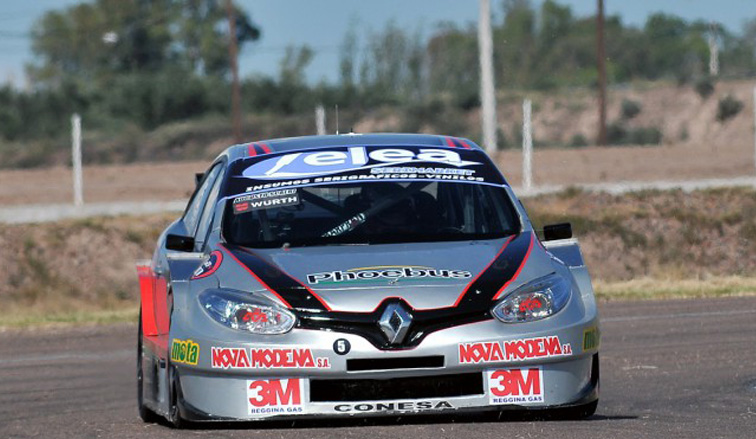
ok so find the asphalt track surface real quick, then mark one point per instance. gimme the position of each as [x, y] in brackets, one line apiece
[671, 369]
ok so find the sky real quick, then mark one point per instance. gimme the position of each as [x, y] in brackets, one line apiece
[322, 24]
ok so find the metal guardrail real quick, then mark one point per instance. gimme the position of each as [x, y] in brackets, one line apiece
[39, 213]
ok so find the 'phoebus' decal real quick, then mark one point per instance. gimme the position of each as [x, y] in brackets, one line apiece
[386, 273]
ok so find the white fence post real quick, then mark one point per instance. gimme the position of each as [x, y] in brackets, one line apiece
[487, 88]
[76, 159]
[320, 120]
[527, 147]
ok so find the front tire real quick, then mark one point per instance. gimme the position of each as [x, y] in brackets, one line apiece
[174, 412]
[145, 413]
[581, 412]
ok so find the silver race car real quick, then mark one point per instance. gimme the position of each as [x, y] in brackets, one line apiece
[362, 275]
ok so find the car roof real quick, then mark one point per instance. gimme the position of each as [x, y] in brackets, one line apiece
[320, 142]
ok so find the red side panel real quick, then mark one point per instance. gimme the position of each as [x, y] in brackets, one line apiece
[161, 306]
[147, 291]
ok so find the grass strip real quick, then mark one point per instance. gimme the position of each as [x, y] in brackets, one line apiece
[636, 289]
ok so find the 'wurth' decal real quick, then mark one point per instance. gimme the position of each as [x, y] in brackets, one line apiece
[266, 200]
[285, 358]
[514, 350]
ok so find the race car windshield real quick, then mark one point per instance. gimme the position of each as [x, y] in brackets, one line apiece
[370, 213]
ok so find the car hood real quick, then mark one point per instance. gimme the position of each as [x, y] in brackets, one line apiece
[358, 278]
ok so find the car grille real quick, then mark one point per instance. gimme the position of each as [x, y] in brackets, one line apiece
[437, 386]
[363, 364]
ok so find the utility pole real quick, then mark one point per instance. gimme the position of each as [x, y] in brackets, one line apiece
[233, 52]
[487, 88]
[320, 120]
[713, 50]
[527, 146]
[601, 59]
[76, 159]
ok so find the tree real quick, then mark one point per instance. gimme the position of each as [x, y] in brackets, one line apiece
[101, 40]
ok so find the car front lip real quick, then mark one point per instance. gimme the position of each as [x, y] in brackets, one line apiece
[213, 392]
[226, 401]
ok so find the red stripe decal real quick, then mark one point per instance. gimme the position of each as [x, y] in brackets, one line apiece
[519, 269]
[450, 142]
[265, 148]
[251, 151]
[255, 276]
[503, 247]
[464, 143]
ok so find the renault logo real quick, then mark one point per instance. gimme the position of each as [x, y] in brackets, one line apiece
[395, 322]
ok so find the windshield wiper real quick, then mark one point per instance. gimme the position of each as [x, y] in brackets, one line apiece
[360, 218]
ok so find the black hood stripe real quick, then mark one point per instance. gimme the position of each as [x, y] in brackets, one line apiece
[292, 293]
[500, 272]
[519, 269]
[473, 305]
[487, 286]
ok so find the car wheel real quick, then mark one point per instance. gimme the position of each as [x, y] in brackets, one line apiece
[174, 413]
[145, 413]
[582, 411]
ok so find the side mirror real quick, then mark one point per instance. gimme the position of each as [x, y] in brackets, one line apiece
[198, 178]
[179, 243]
[553, 232]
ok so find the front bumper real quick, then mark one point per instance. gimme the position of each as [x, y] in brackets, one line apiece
[207, 398]
[462, 369]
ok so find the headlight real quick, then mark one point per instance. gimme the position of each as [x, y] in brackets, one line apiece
[246, 312]
[534, 301]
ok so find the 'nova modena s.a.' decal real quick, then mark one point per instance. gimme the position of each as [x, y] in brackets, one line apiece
[304, 164]
[391, 273]
[268, 397]
[209, 266]
[515, 386]
[393, 406]
[185, 351]
[284, 358]
[513, 350]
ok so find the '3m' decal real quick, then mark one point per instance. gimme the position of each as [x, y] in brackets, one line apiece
[515, 386]
[268, 397]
